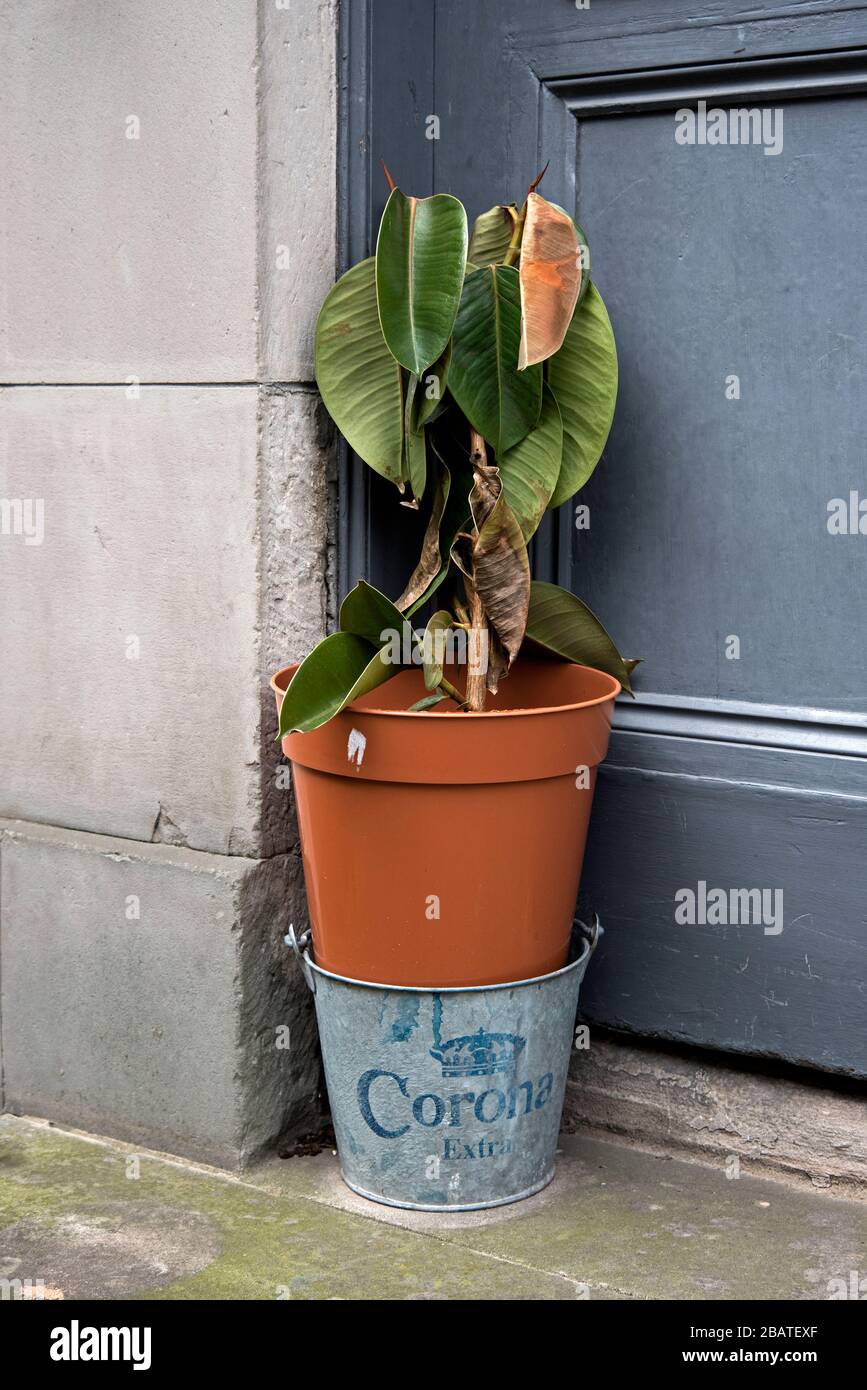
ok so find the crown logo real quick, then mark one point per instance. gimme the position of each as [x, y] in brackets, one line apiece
[478, 1054]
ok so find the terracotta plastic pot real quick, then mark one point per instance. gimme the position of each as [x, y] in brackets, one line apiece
[443, 848]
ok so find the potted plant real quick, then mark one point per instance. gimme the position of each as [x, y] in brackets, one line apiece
[443, 815]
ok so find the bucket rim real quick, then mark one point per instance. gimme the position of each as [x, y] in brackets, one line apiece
[449, 1207]
[587, 946]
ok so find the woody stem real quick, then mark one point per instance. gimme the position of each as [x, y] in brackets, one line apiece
[477, 688]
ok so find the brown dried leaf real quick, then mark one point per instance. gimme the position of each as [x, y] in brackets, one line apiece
[501, 575]
[495, 562]
[487, 487]
[550, 273]
[498, 662]
[430, 559]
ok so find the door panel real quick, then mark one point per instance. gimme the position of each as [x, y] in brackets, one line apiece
[737, 288]
[708, 514]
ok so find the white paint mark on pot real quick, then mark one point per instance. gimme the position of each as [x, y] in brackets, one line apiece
[355, 747]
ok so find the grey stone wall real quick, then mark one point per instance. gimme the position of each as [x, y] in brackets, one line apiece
[167, 480]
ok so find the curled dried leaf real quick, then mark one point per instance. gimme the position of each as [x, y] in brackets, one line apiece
[494, 560]
[501, 575]
[430, 560]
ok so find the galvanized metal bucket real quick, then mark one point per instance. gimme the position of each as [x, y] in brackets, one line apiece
[450, 1098]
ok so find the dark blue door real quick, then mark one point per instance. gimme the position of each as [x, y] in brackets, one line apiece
[717, 162]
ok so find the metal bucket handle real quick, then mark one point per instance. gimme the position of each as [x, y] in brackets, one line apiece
[300, 944]
[590, 934]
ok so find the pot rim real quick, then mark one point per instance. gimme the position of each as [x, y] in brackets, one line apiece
[473, 714]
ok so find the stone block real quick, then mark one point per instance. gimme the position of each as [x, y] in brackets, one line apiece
[130, 191]
[147, 993]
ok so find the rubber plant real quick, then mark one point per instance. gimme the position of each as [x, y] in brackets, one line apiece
[478, 373]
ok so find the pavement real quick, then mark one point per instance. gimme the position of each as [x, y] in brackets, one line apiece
[88, 1218]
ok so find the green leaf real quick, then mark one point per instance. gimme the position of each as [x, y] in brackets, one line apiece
[583, 377]
[358, 379]
[584, 246]
[414, 443]
[562, 624]
[367, 613]
[420, 258]
[502, 403]
[416, 463]
[430, 394]
[529, 471]
[427, 703]
[492, 235]
[338, 671]
[347, 664]
[434, 647]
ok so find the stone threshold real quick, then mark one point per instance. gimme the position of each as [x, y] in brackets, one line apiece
[779, 1120]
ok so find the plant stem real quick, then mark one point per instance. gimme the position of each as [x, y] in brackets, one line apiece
[445, 686]
[448, 689]
[477, 688]
[514, 250]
